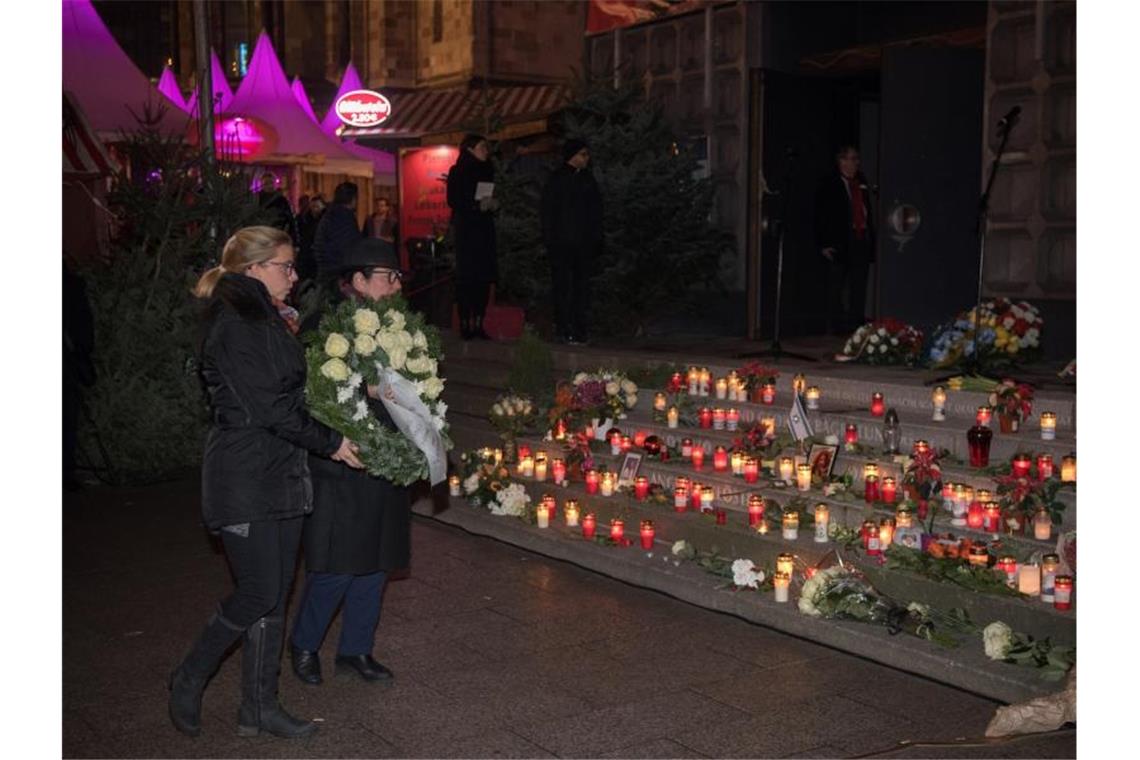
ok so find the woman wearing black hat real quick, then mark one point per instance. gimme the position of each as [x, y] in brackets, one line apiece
[472, 219]
[360, 528]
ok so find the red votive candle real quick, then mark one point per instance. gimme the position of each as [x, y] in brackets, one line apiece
[1063, 592]
[1045, 466]
[851, 434]
[889, 490]
[975, 515]
[686, 447]
[592, 481]
[698, 456]
[991, 518]
[871, 489]
[617, 529]
[751, 470]
[589, 525]
[720, 459]
[984, 415]
[695, 497]
[641, 488]
[755, 509]
[878, 406]
[647, 534]
[1020, 465]
[705, 416]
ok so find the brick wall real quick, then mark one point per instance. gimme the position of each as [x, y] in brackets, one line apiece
[532, 41]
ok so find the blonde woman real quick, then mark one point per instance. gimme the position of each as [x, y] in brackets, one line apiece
[255, 476]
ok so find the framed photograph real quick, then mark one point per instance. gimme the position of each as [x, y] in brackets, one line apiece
[629, 467]
[821, 457]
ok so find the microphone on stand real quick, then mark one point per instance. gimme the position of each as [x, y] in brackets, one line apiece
[1010, 118]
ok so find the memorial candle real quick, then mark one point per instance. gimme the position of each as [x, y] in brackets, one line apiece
[592, 481]
[948, 495]
[803, 477]
[453, 485]
[871, 489]
[615, 444]
[570, 510]
[1029, 580]
[822, 520]
[672, 418]
[647, 534]
[888, 490]
[979, 555]
[851, 434]
[686, 447]
[751, 470]
[938, 398]
[799, 383]
[736, 462]
[755, 509]
[722, 388]
[680, 499]
[706, 381]
[984, 415]
[1048, 426]
[660, 402]
[780, 584]
[540, 467]
[607, 484]
[904, 517]
[589, 525]
[870, 470]
[718, 418]
[991, 518]
[886, 532]
[696, 496]
[720, 459]
[871, 541]
[960, 507]
[677, 382]
[787, 469]
[732, 420]
[878, 406]
[626, 444]
[733, 386]
[639, 438]
[1008, 566]
[1063, 592]
[526, 466]
[1069, 469]
[694, 379]
[1050, 564]
[1020, 465]
[698, 457]
[682, 482]
[976, 515]
[705, 418]
[558, 470]
[617, 529]
[542, 515]
[785, 563]
[1044, 466]
[768, 393]
[641, 488]
[707, 495]
[790, 526]
[812, 396]
[1042, 526]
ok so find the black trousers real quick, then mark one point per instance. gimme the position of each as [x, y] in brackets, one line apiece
[847, 281]
[571, 290]
[471, 296]
[263, 565]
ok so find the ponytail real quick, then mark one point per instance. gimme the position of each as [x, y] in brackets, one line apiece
[208, 281]
[247, 246]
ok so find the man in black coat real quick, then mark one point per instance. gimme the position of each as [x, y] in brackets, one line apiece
[845, 236]
[360, 528]
[336, 231]
[572, 232]
[473, 222]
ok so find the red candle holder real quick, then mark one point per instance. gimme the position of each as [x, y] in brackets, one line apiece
[878, 405]
[721, 516]
[871, 541]
[641, 488]
[751, 470]
[680, 499]
[871, 489]
[991, 518]
[975, 515]
[558, 469]
[617, 529]
[768, 393]
[639, 438]
[720, 459]
[1020, 465]
[676, 383]
[592, 481]
[719, 416]
[851, 434]
[647, 534]
[682, 482]
[984, 416]
[698, 457]
[732, 419]
[1045, 466]
[705, 416]
[686, 447]
[523, 451]
[695, 497]
[889, 491]
[755, 510]
[589, 525]
[1063, 592]
[978, 439]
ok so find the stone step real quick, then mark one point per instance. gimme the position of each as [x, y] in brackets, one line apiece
[965, 667]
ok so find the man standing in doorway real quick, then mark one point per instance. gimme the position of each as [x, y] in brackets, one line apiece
[845, 235]
[572, 232]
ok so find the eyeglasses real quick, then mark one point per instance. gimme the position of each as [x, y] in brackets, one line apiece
[393, 274]
[287, 267]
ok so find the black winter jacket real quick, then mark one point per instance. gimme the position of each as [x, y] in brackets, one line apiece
[255, 466]
[572, 213]
[475, 255]
[833, 225]
[336, 231]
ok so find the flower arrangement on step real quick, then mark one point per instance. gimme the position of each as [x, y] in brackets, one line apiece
[756, 440]
[759, 381]
[841, 592]
[922, 480]
[392, 347]
[1021, 498]
[1008, 332]
[1013, 402]
[743, 574]
[884, 341]
[1004, 644]
[489, 485]
[511, 415]
[605, 394]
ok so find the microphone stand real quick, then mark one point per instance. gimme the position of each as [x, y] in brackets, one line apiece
[776, 350]
[973, 365]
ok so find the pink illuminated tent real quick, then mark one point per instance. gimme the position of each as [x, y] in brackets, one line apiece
[298, 88]
[218, 83]
[109, 88]
[383, 163]
[348, 82]
[168, 86]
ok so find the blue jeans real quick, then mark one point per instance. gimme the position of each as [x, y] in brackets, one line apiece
[323, 594]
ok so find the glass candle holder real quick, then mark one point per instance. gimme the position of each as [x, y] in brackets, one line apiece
[984, 416]
[705, 418]
[660, 402]
[787, 469]
[570, 512]
[698, 458]
[871, 489]
[617, 529]
[781, 584]
[878, 405]
[1020, 465]
[938, 399]
[1042, 526]
[722, 388]
[641, 488]
[686, 447]
[1008, 565]
[719, 416]
[991, 517]
[812, 396]
[607, 484]
[886, 532]
[1048, 426]
[672, 418]
[785, 563]
[904, 517]
[647, 534]
[558, 470]
[680, 499]
[799, 383]
[822, 520]
[1029, 580]
[768, 393]
[851, 434]
[790, 526]
[1063, 592]
[1044, 466]
[707, 496]
[978, 438]
[755, 509]
[803, 477]
[540, 466]
[732, 420]
[751, 469]
[871, 542]
[979, 555]
[736, 462]
[593, 480]
[888, 489]
[589, 525]
[453, 486]
[720, 459]
[1050, 566]
[1069, 469]
[542, 515]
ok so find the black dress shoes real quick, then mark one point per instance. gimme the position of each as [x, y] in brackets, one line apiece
[366, 667]
[306, 665]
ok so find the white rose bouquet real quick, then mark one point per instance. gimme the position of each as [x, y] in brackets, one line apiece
[356, 343]
[512, 414]
[887, 341]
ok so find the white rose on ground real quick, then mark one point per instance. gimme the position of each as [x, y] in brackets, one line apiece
[680, 547]
[336, 346]
[831, 440]
[395, 319]
[365, 344]
[433, 386]
[998, 638]
[612, 388]
[744, 573]
[397, 357]
[471, 485]
[419, 339]
[511, 501]
[335, 370]
[366, 321]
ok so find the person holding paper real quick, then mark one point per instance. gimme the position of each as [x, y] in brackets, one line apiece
[360, 528]
[470, 194]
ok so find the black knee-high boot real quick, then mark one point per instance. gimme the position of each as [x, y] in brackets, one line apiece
[260, 667]
[189, 679]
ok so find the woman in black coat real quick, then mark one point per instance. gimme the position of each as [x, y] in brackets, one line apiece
[255, 475]
[473, 223]
[360, 527]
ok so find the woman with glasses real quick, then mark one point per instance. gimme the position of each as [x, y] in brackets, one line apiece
[360, 528]
[255, 475]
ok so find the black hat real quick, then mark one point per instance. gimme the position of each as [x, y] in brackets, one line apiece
[571, 147]
[370, 252]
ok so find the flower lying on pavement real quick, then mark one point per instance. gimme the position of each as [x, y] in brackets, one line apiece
[998, 638]
[746, 574]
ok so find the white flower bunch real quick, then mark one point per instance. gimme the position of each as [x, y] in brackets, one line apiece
[681, 548]
[471, 485]
[745, 574]
[512, 406]
[998, 638]
[815, 586]
[511, 501]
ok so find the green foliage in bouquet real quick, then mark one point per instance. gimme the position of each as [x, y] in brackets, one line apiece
[173, 213]
[532, 370]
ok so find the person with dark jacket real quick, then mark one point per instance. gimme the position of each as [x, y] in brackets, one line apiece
[255, 476]
[572, 232]
[472, 219]
[307, 222]
[360, 528]
[845, 236]
[336, 231]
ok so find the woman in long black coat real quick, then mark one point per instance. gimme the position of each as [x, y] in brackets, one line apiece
[473, 224]
[360, 528]
[255, 475]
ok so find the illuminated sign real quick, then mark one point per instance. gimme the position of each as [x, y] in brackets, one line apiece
[363, 108]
